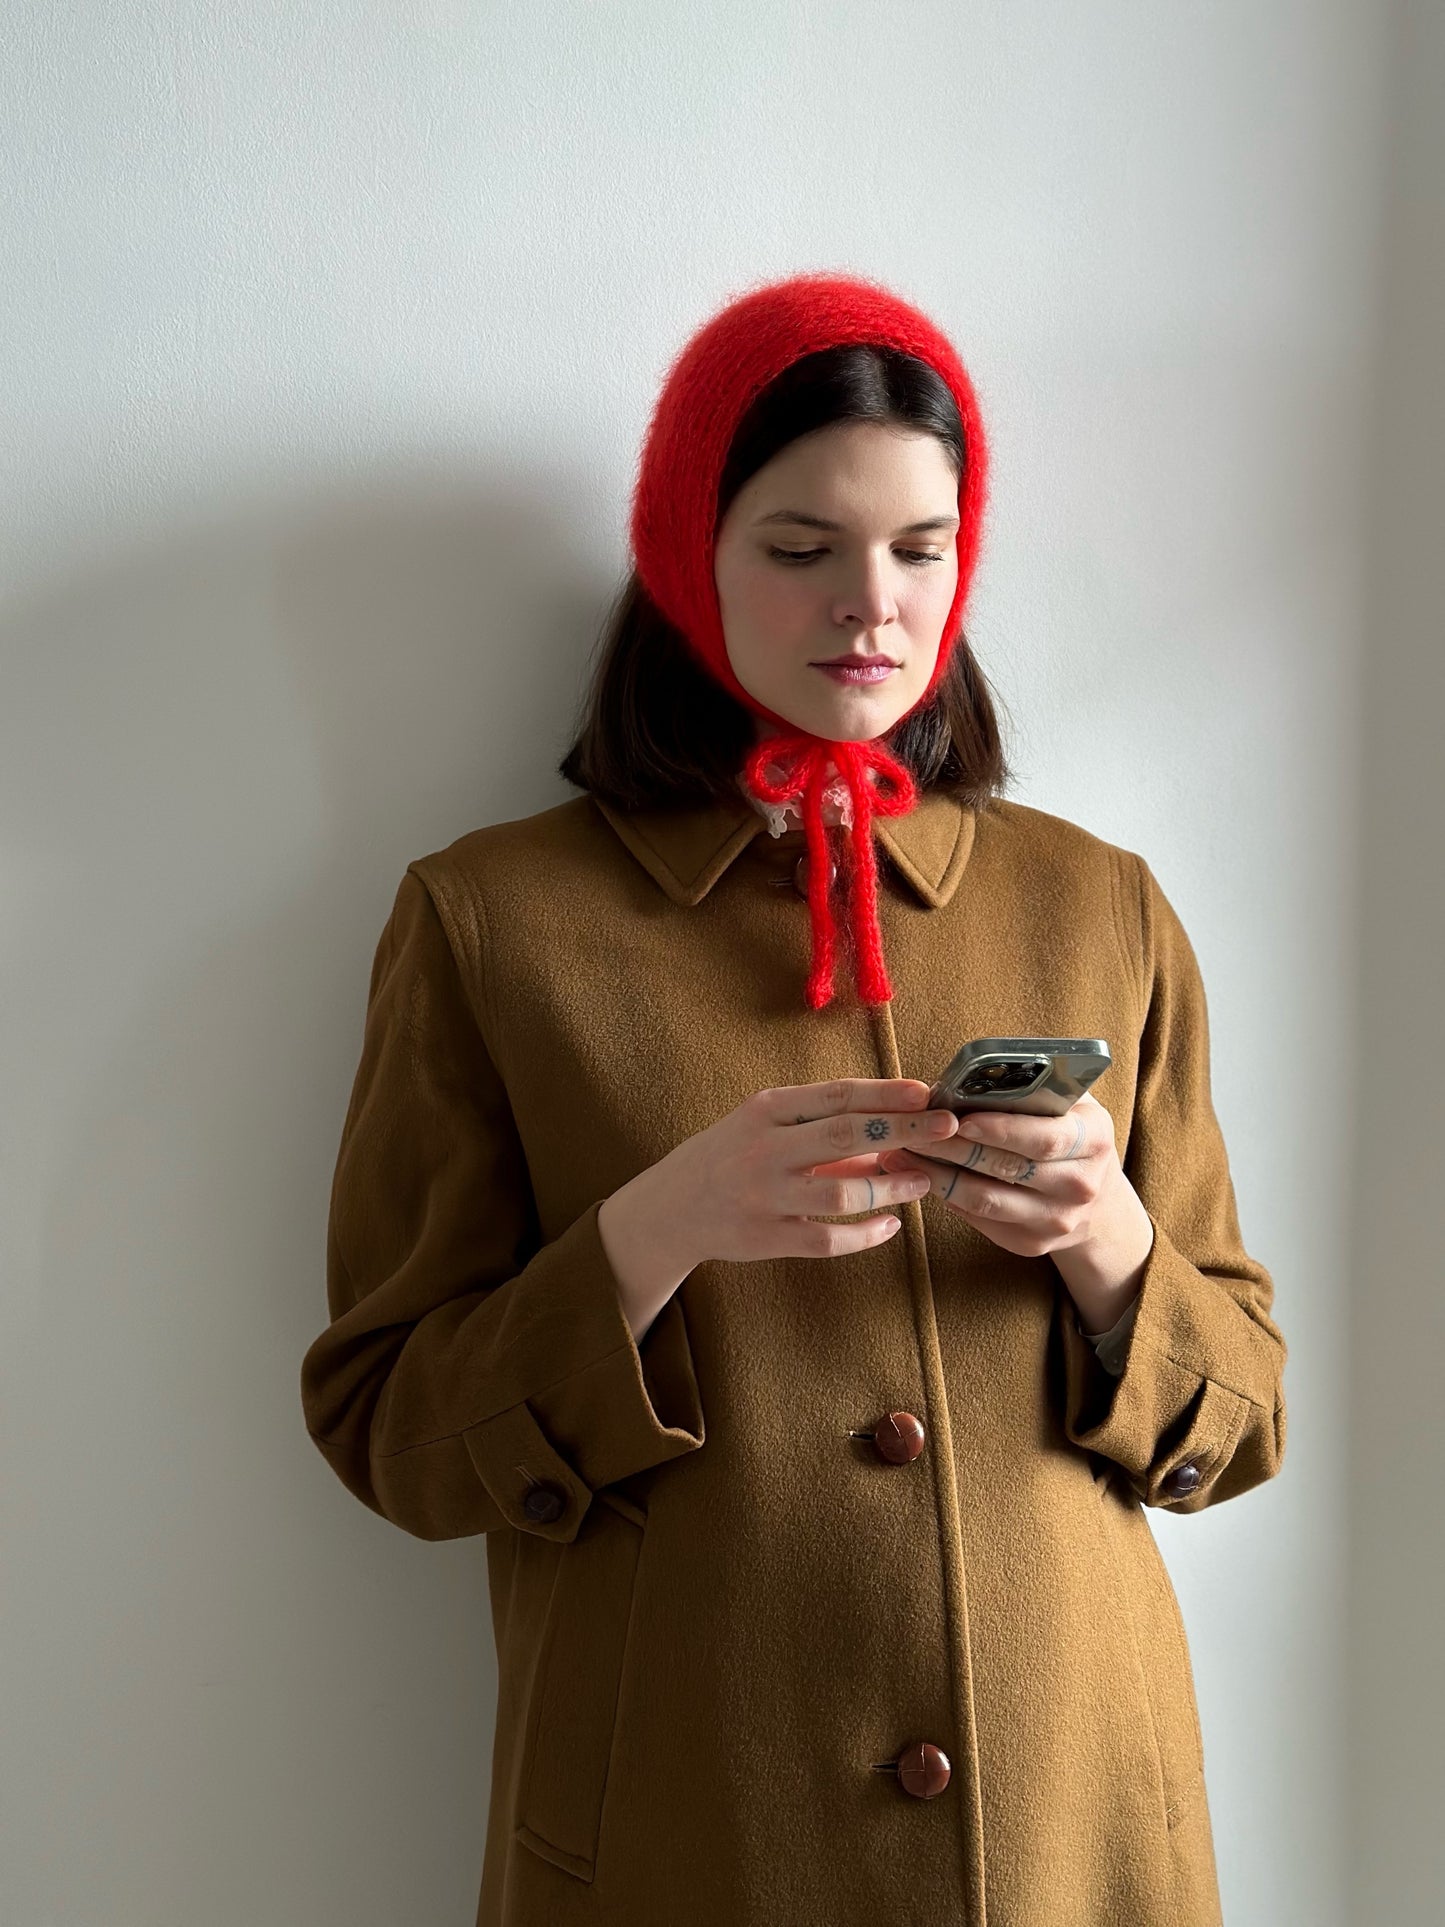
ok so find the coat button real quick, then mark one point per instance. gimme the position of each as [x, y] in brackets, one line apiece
[923, 1770]
[1182, 1479]
[544, 1503]
[800, 875]
[899, 1438]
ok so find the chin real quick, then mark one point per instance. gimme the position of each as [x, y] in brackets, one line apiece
[857, 721]
[852, 716]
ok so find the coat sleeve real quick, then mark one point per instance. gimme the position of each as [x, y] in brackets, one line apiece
[468, 1364]
[1191, 1404]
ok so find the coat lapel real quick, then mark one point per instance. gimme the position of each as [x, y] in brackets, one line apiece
[686, 851]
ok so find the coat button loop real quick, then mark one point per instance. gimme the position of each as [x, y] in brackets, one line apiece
[544, 1503]
[923, 1770]
[898, 1437]
[1182, 1479]
[800, 875]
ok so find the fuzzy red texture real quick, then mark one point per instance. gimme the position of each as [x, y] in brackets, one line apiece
[704, 395]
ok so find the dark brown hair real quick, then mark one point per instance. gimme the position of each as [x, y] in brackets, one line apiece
[656, 731]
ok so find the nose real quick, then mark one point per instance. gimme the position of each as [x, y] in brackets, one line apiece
[867, 597]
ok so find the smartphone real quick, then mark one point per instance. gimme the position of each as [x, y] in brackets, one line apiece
[1044, 1076]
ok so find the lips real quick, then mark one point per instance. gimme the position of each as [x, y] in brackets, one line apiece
[857, 671]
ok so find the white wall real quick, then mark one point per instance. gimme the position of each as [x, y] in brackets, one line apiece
[331, 330]
[1395, 1735]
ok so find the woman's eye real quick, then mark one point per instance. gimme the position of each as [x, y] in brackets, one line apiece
[913, 556]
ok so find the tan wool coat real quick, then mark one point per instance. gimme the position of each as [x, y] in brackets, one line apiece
[722, 1614]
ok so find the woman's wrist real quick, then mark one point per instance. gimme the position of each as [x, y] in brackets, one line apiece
[647, 1264]
[1103, 1272]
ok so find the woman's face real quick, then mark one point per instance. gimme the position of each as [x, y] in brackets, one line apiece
[841, 545]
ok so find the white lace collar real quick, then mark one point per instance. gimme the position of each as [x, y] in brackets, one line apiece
[781, 817]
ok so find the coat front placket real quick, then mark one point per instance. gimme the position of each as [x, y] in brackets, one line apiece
[964, 1753]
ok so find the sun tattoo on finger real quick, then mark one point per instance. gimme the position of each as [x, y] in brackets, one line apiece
[876, 1127]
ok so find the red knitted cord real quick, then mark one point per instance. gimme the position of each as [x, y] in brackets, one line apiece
[803, 761]
[707, 390]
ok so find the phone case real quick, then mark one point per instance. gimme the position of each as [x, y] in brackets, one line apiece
[1042, 1076]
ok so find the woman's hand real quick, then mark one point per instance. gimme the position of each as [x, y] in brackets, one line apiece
[1050, 1186]
[757, 1183]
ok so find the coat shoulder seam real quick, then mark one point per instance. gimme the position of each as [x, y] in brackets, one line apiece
[486, 1019]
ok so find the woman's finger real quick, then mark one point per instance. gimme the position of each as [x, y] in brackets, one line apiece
[863, 1163]
[973, 1191]
[981, 1158]
[839, 1197]
[803, 1103]
[1083, 1129]
[825, 1238]
[849, 1133]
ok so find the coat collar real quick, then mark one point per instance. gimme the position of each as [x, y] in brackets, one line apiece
[686, 851]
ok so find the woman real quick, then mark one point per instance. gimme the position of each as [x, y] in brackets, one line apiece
[820, 1577]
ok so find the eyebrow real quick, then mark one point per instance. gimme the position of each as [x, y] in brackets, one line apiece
[817, 522]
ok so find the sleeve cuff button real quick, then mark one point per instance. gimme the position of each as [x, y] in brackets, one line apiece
[1182, 1479]
[544, 1503]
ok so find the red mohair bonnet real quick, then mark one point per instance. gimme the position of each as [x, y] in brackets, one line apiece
[705, 394]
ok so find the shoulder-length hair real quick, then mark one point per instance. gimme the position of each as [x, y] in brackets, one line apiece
[656, 731]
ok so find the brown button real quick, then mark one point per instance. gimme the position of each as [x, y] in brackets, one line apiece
[800, 875]
[1182, 1479]
[923, 1770]
[899, 1438]
[544, 1503]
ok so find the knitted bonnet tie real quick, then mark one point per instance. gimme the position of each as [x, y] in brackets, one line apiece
[705, 394]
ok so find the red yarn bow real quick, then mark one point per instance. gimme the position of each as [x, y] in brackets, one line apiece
[803, 760]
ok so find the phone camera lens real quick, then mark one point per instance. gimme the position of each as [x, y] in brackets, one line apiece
[1001, 1079]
